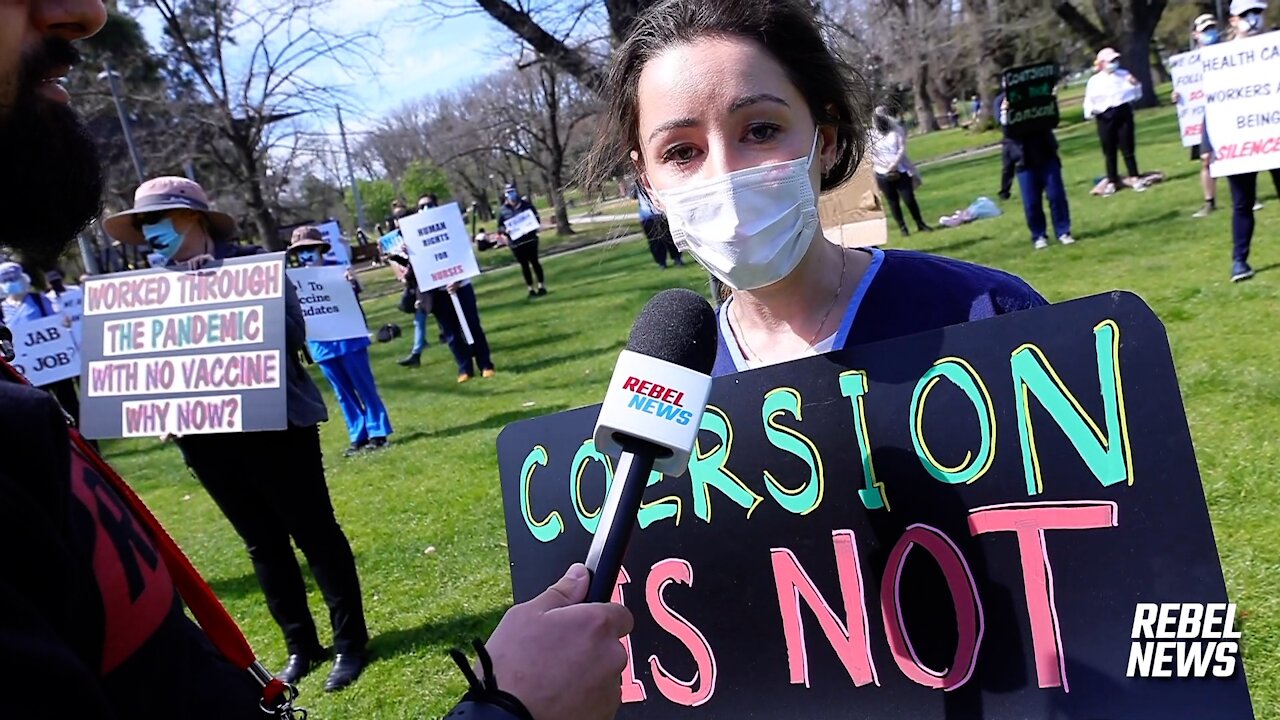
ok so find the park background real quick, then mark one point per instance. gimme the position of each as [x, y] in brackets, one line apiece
[425, 518]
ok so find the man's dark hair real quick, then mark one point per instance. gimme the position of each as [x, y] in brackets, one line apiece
[836, 94]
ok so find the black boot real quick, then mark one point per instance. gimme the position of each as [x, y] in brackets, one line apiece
[903, 229]
[300, 665]
[414, 360]
[346, 668]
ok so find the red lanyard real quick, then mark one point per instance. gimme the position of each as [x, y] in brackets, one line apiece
[214, 620]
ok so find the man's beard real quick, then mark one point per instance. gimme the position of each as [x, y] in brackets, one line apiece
[50, 179]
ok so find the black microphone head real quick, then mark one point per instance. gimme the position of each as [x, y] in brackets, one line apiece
[677, 326]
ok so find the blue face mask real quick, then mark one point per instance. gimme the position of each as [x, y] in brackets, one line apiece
[307, 257]
[1209, 37]
[512, 195]
[164, 239]
[1254, 20]
[13, 287]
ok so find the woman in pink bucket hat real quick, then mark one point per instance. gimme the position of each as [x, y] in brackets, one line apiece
[270, 485]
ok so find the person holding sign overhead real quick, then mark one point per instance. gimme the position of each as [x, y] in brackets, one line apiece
[518, 219]
[268, 507]
[345, 363]
[1109, 96]
[737, 157]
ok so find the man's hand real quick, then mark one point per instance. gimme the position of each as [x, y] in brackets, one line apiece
[561, 657]
[453, 287]
[197, 263]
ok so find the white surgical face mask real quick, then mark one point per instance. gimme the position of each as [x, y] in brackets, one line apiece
[749, 228]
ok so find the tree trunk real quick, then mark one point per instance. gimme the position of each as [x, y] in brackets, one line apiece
[924, 102]
[1157, 66]
[555, 189]
[1137, 58]
[256, 199]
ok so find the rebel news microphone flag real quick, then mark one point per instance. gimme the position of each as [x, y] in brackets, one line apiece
[650, 415]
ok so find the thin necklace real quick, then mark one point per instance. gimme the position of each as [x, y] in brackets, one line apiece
[844, 262]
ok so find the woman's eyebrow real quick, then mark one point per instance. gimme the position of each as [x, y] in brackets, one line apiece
[672, 125]
[749, 100]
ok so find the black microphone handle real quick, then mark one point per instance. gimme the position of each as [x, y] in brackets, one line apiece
[617, 519]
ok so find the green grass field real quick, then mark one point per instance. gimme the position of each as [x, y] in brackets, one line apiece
[425, 517]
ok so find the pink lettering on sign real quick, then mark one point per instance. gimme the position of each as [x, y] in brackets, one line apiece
[964, 595]
[851, 639]
[632, 689]
[1028, 521]
[698, 689]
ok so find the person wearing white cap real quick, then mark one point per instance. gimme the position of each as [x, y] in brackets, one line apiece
[270, 503]
[23, 304]
[1247, 20]
[1108, 97]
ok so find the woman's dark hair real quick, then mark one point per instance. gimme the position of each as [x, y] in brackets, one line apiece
[836, 94]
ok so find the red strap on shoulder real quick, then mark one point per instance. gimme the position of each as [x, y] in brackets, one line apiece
[209, 612]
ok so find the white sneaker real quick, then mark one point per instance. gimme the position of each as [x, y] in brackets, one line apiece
[1041, 243]
[1109, 191]
[1257, 206]
[1065, 239]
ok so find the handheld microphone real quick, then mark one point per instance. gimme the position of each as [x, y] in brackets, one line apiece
[651, 415]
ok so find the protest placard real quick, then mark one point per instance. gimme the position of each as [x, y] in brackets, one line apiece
[185, 352]
[1188, 83]
[328, 303]
[392, 243]
[439, 246]
[46, 350]
[71, 304]
[1242, 104]
[974, 522]
[1033, 104]
[338, 251]
[521, 225]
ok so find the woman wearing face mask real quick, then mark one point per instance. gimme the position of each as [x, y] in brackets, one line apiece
[1204, 32]
[23, 304]
[737, 160]
[1247, 20]
[270, 485]
[896, 176]
[1108, 97]
[345, 363]
[524, 247]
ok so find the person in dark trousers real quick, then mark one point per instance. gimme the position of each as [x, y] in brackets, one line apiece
[1035, 155]
[896, 176]
[1008, 156]
[1108, 97]
[467, 356]
[267, 504]
[1247, 20]
[71, 641]
[524, 247]
[657, 232]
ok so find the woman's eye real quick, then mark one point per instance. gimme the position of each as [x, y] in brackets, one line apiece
[679, 154]
[761, 133]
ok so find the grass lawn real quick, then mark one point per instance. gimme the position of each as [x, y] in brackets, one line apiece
[425, 517]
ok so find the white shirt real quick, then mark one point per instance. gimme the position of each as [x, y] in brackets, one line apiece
[1107, 90]
[885, 148]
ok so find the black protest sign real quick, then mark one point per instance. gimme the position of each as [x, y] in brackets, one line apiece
[185, 353]
[963, 523]
[1033, 104]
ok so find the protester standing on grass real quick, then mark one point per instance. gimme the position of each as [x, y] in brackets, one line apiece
[23, 304]
[896, 176]
[345, 363]
[1109, 96]
[524, 247]
[268, 504]
[421, 302]
[1008, 151]
[741, 104]
[1204, 32]
[1247, 20]
[657, 232]
[1039, 170]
